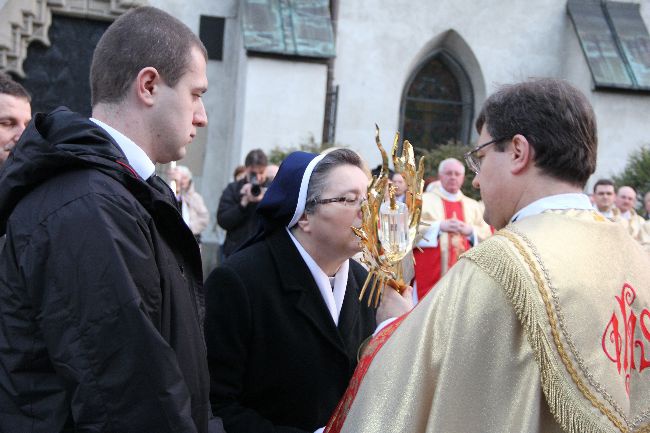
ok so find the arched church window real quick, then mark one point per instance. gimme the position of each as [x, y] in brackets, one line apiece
[437, 104]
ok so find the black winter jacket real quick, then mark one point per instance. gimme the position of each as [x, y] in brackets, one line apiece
[239, 222]
[100, 291]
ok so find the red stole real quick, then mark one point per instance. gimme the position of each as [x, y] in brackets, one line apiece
[428, 263]
[337, 419]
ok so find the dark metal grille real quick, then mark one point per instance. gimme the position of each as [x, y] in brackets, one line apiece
[59, 74]
[434, 107]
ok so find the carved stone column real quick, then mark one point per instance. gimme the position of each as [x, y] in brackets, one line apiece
[24, 21]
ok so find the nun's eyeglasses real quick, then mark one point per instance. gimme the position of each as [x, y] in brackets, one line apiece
[349, 201]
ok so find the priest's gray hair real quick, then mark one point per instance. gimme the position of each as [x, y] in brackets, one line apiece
[318, 180]
[444, 162]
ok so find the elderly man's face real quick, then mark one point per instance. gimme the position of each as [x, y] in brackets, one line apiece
[625, 199]
[452, 176]
[184, 181]
[604, 197]
[15, 114]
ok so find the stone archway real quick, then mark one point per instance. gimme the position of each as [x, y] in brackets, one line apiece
[454, 94]
[437, 102]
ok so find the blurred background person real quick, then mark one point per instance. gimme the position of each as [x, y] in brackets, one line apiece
[270, 172]
[625, 202]
[604, 197]
[236, 212]
[377, 170]
[15, 114]
[400, 187]
[195, 213]
[239, 173]
[646, 205]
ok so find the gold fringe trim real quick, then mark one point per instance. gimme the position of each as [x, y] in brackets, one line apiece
[572, 416]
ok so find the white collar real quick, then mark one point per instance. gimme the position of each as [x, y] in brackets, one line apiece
[555, 202]
[449, 196]
[137, 157]
[609, 213]
[333, 298]
[626, 215]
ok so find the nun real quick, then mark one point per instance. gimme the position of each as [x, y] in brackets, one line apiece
[284, 322]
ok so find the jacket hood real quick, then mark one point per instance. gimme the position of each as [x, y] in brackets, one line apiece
[53, 144]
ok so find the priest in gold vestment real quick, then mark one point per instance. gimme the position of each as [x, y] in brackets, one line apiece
[544, 327]
[633, 222]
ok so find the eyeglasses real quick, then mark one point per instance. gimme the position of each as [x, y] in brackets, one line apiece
[349, 201]
[473, 162]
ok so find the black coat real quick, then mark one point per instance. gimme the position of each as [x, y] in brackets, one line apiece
[239, 222]
[278, 363]
[100, 291]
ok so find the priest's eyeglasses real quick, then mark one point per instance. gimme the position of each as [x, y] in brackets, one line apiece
[348, 200]
[473, 161]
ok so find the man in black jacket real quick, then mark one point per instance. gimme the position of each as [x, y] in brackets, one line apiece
[100, 280]
[236, 212]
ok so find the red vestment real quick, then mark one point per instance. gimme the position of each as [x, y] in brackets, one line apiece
[428, 263]
[338, 417]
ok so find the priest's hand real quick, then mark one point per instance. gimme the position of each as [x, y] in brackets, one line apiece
[450, 226]
[456, 226]
[394, 304]
[465, 228]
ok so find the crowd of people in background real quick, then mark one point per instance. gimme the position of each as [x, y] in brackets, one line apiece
[192, 206]
[452, 221]
[619, 206]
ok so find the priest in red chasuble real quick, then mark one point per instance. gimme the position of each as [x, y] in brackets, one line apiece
[455, 225]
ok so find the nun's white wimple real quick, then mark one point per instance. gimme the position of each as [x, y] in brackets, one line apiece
[302, 195]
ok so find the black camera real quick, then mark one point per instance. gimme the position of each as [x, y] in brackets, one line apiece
[256, 188]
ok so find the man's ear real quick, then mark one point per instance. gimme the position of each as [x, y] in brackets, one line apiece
[146, 85]
[522, 154]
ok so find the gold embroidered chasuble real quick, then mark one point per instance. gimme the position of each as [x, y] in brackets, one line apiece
[545, 327]
[634, 225]
[645, 236]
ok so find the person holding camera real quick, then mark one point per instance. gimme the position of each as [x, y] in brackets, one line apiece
[236, 212]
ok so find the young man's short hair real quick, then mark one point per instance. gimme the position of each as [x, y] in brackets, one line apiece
[10, 87]
[256, 157]
[142, 37]
[604, 182]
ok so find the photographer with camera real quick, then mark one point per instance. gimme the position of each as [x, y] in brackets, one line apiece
[236, 212]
